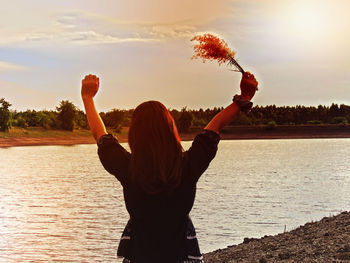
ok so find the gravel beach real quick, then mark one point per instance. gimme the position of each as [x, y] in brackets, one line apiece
[327, 240]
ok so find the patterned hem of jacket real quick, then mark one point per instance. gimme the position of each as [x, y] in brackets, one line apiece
[184, 261]
[193, 252]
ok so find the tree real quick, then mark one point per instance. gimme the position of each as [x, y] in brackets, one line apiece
[5, 115]
[114, 119]
[20, 122]
[184, 121]
[32, 117]
[67, 113]
[81, 120]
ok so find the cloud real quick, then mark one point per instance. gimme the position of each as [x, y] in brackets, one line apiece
[8, 66]
[82, 38]
[113, 22]
[172, 31]
[91, 37]
[101, 29]
[82, 28]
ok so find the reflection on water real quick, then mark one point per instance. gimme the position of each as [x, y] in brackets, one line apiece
[57, 204]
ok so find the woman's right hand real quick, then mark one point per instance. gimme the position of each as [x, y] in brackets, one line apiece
[249, 85]
[89, 87]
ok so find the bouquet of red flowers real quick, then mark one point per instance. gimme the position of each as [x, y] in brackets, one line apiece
[213, 48]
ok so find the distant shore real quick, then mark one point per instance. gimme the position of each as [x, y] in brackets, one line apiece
[39, 136]
[324, 241]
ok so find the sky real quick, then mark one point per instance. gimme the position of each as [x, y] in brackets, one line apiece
[141, 50]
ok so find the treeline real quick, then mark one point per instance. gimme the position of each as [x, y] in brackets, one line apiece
[296, 115]
[271, 116]
[68, 117]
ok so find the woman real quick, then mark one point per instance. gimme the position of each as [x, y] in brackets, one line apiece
[158, 177]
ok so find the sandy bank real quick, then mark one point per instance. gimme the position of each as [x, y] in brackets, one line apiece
[42, 137]
[324, 241]
[33, 141]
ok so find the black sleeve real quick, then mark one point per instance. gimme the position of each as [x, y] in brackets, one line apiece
[201, 153]
[114, 158]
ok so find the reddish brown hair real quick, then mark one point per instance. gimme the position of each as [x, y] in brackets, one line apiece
[156, 149]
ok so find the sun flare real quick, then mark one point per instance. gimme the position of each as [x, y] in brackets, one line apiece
[313, 20]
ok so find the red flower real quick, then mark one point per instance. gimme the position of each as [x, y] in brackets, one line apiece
[212, 48]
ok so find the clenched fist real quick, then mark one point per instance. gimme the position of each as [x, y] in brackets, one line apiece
[89, 87]
[249, 85]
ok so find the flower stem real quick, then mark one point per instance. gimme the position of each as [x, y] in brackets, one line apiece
[235, 63]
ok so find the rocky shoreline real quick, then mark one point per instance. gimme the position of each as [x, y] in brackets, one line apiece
[324, 241]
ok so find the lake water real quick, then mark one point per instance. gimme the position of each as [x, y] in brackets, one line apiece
[57, 204]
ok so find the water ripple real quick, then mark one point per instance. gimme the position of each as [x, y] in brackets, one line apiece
[57, 204]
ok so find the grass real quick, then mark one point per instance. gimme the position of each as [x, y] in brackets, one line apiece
[38, 132]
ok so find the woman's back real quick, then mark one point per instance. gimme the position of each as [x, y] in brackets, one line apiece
[159, 222]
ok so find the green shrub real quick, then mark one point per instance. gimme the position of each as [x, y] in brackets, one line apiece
[315, 122]
[271, 125]
[20, 122]
[340, 121]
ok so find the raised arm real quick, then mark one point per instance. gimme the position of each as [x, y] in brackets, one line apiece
[248, 88]
[89, 88]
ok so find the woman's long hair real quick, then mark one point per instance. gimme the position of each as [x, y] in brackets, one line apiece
[156, 150]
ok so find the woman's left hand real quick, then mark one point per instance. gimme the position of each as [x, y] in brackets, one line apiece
[249, 85]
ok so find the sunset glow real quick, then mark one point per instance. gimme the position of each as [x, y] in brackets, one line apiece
[314, 20]
[141, 50]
